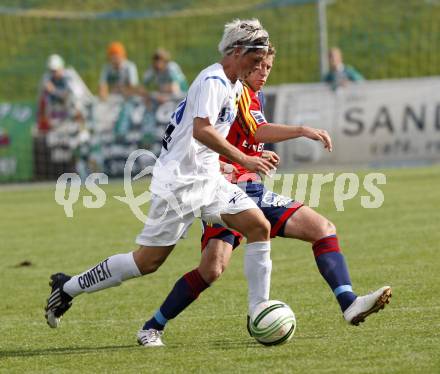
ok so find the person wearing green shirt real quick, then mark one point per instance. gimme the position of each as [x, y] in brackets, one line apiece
[340, 74]
[164, 80]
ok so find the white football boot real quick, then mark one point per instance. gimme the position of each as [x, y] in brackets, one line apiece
[150, 338]
[363, 306]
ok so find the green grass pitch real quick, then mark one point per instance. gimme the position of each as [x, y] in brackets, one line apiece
[397, 244]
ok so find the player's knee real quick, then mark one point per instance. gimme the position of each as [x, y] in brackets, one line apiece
[148, 267]
[259, 231]
[152, 266]
[146, 262]
[211, 274]
[264, 229]
[330, 228]
[326, 228]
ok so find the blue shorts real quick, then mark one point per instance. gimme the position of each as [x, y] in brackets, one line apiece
[276, 208]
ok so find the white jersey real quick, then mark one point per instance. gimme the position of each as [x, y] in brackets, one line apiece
[183, 159]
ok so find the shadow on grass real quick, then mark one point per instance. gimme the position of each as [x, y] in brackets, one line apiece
[63, 351]
[250, 343]
[232, 344]
[214, 345]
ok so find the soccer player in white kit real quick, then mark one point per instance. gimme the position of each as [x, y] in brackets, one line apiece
[187, 183]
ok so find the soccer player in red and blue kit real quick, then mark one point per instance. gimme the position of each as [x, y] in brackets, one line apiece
[288, 218]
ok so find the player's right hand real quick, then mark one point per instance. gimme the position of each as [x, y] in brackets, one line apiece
[272, 157]
[258, 164]
[319, 135]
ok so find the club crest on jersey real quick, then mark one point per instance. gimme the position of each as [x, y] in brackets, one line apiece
[258, 116]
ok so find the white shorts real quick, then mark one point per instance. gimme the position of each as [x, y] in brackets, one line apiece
[172, 213]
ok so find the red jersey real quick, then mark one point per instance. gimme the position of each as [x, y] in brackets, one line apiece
[241, 134]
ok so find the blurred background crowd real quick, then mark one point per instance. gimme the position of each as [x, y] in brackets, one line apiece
[83, 88]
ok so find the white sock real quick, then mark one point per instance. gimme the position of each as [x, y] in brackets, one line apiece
[108, 273]
[257, 267]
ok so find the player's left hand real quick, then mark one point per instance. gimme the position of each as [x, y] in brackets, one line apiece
[271, 157]
[226, 168]
[319, 135]
[229, 171]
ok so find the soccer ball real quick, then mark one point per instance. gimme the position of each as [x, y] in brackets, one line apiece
[272, 323]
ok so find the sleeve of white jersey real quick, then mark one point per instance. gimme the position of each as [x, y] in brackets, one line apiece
[209, 98]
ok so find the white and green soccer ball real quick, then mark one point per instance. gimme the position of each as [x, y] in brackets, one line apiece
[272, 323]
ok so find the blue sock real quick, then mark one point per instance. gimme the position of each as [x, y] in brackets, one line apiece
[157, 322]
[184, 292]
[332, 266]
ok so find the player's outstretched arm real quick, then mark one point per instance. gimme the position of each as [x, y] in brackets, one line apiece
[274, 133]
[206, 134]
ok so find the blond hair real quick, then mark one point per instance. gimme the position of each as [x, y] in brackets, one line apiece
[242, 33]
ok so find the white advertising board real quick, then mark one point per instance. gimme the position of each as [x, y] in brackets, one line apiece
[371, 123]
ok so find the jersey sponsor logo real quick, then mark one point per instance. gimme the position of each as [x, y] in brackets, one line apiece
[255, 147]
[272, 199]
[258, 117]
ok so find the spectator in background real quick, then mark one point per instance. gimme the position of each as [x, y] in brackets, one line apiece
[57, 100]
[164, 80]
[63, 105]
[119, 75]
[340, 74]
